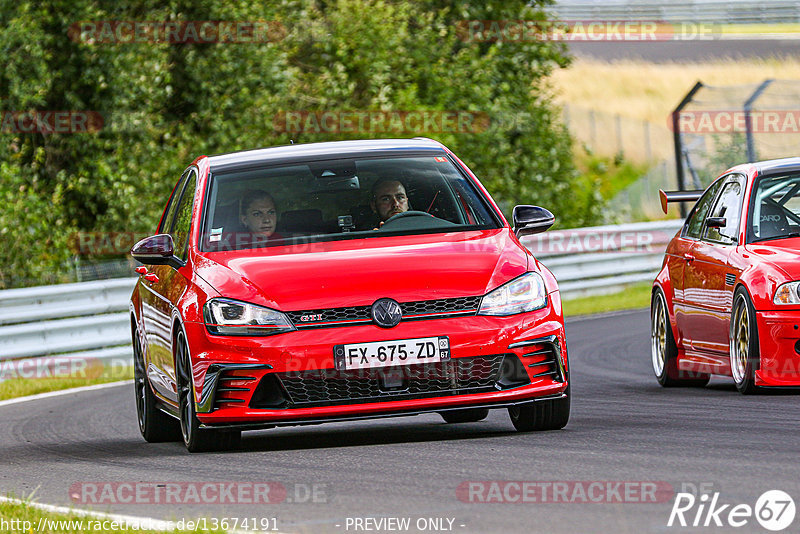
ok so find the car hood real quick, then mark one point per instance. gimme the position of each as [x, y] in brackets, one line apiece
[782, 253]
[358, 272]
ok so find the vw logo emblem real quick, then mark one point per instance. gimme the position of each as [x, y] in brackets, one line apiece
[386, 313]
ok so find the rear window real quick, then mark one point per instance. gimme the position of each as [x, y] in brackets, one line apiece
[340, 199]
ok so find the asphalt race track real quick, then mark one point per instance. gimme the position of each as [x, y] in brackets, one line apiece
[624, 427]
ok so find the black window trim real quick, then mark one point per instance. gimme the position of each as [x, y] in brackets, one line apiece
[685, 230]
[704, 230]
[175, 196]
[188, 172]
[749, 236]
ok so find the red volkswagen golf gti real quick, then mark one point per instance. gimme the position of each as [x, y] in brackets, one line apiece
[339, 281]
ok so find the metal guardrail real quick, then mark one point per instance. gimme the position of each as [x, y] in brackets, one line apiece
[695, 11]
[69, 324]
[603, 259]
[89, 321]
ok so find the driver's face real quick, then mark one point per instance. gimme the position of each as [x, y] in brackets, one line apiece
[260, 217]
[390, 199]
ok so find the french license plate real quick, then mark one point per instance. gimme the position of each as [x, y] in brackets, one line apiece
[391, 353]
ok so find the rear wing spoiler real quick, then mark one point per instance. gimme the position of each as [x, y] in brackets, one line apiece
[678, 196]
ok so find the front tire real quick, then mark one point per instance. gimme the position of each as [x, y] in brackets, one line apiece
[155, 425]
[744, 350]
[195, 438]
[541, 415]
[664, 350]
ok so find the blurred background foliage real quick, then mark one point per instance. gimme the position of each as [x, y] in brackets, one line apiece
[163, 104]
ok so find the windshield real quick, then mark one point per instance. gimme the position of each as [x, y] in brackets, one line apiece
[775, 208]
[340, 199]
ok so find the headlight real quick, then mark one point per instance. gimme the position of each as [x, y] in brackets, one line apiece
[523, 294]
[787, 294]
[233, 317]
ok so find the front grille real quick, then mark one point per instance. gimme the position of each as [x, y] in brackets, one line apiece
[328, 387]
[353, 315]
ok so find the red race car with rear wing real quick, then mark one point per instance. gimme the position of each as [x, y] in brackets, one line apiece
[727, 298]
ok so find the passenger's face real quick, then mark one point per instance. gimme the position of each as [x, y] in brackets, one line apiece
[260, 217]
[390, 199]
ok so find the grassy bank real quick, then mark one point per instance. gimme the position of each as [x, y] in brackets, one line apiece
[21, 387]
[24, 518]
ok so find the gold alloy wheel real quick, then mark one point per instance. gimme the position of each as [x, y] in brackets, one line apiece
[740, 341]
[658, 335]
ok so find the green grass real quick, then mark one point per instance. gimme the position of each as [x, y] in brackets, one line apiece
[21, 387]
[13, 516]
[766, 29]
[634, 297]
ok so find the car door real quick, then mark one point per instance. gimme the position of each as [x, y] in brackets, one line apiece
[680, 260]
[710, 277]
[163, 292]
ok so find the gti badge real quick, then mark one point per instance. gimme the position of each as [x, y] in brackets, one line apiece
[311, 317]
[386, 313]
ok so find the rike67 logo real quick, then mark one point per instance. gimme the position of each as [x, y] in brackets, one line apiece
[774, 510]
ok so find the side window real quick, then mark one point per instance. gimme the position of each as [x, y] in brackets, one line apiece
[698, 216]
[183, 217]
[166, 222]
[729, 205]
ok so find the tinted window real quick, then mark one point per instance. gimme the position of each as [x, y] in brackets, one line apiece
[341, 199]
[698, 216]
[775, 207]
[183, 217]
[169, 214]
[729, 206]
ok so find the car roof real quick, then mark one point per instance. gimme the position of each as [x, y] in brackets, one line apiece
[322, 151]
[775, 166]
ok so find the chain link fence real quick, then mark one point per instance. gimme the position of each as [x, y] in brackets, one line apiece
[717, 127]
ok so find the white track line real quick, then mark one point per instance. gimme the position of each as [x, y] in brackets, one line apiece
[64, 392]
[139, 523]
[142, 523]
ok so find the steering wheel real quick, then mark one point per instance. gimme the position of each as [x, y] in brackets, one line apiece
[410, 213]
[413, 220]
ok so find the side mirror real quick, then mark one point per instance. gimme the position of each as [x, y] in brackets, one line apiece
[530, 220]
[715, 222]
[156, 250]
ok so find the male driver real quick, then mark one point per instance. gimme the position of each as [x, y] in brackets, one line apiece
[388, 199]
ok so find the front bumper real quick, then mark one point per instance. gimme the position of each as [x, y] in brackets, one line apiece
[779, 340]
[228, 371]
